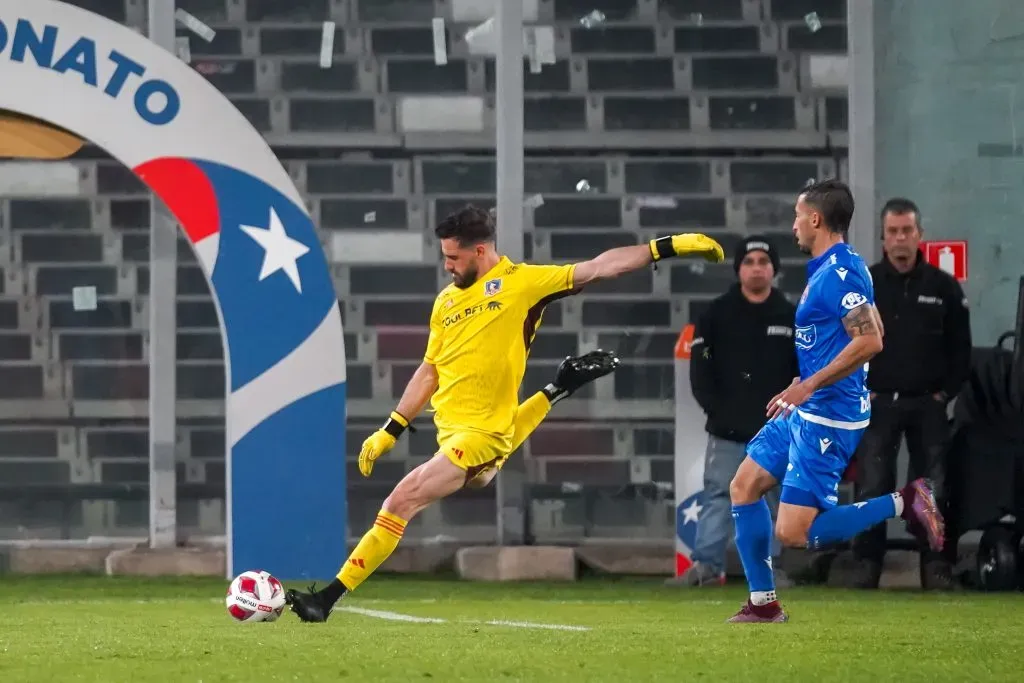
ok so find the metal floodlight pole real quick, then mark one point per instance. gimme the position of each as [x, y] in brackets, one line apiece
[861, 96]
[509, 163]
[163, 272]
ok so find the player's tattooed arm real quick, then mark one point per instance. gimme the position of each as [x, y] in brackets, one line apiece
[865, 330]
[861, 321]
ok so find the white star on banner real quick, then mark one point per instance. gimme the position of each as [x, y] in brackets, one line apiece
[281, 252]
[691, 513]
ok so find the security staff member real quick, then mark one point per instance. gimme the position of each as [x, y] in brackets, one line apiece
[925, 362]
[742, 355]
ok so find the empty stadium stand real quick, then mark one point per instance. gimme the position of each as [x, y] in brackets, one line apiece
[676, 113]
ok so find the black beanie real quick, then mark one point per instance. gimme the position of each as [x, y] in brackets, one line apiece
[755, 243]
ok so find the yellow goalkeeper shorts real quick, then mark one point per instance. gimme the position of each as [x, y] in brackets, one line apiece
[473, 451]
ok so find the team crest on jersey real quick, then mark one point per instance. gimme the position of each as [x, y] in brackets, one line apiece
[853, 299]
[805, 337]
[449, 303]
[492, 287]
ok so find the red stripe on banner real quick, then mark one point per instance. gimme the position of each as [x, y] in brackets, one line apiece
[682, 564]
[187, 192]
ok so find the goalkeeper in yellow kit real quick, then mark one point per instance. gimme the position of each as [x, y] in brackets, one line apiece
[481, 328]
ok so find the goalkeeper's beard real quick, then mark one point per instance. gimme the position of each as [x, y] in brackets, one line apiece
[465, 280]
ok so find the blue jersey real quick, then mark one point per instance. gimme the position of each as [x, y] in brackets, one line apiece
[838, 281]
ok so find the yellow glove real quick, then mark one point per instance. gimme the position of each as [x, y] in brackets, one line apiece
[380, 442]
[685, 244]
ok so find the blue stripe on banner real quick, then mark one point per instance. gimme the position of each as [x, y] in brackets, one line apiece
[288, 508]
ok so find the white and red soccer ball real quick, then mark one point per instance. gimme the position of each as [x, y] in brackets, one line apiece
[255, 596]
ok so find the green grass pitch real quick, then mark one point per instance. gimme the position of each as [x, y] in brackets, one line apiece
[125, 629]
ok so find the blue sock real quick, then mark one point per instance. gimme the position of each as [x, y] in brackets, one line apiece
[754, 542]
[845, 522]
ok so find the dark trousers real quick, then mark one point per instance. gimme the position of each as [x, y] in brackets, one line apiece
[923, 421]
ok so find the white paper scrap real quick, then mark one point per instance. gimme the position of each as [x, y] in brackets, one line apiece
[192, 24]
[440, 41]
[83, 298]
[327, 45]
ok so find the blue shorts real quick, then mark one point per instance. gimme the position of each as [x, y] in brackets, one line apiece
[807, 458]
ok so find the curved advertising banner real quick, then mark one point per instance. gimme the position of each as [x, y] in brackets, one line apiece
[280, 320]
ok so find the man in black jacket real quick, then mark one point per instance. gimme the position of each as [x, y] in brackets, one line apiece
[925, 362]
[742, 355]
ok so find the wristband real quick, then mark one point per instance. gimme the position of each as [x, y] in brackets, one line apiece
[396, 424]
[554, 393]
[662, 248]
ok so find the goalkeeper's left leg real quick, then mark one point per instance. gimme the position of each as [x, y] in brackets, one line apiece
[572, 374]
[530, 414]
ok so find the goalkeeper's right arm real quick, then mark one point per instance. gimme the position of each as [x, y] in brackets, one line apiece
[417, 392]
[622, 260]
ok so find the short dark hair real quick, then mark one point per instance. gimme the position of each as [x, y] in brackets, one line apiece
[900, 206]
[834, 202]
[470, 225]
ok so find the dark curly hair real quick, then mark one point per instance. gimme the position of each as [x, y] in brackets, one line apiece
[470, 225]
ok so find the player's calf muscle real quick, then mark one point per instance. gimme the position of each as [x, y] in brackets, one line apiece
[429, 482]
[794, 525]
[791, 537]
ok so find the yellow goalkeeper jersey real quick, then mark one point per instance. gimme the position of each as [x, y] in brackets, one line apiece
[480, 338]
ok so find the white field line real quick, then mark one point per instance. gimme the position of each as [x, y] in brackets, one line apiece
[389, 616]
[530, 624]
[397, 616]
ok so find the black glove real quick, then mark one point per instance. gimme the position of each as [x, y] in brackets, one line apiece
[577, 371]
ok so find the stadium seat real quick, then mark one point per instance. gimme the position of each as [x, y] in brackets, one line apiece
[226, 43]
[16, 346]
[9, 316]
[554, 345]
[607, 472]
[109, 313]
[211, 11]
[575, 440]
[401, 345]
[71, 246]
[359, 382]
[297, 10]
[115, 442]
[98, 345]
[35, 471]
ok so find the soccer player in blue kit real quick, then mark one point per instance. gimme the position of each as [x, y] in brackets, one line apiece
[815, 424]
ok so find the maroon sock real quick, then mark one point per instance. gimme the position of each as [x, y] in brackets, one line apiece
[908, 493]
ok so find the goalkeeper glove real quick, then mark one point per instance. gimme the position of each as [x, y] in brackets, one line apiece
[380, 442]
[687, 243]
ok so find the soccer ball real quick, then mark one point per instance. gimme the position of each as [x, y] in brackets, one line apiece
[255, 596]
